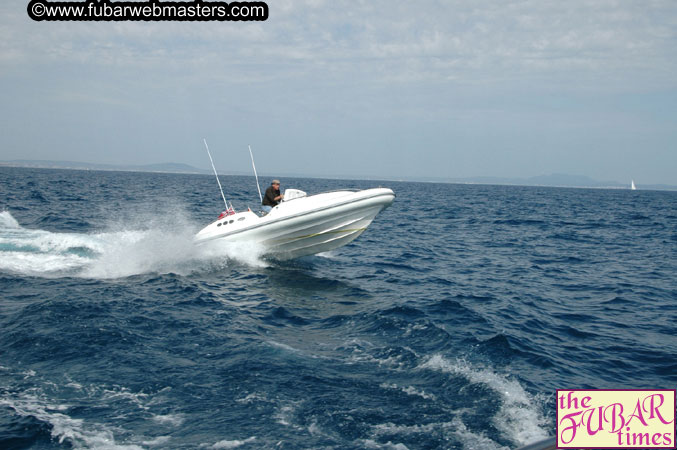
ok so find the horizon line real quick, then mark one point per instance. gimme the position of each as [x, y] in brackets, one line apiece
[472, 180]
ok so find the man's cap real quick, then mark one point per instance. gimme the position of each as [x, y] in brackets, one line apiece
[275, 182]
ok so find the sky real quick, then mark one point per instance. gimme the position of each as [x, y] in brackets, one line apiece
[391, 89]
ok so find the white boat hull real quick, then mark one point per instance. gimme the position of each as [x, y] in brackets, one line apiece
[304, 226]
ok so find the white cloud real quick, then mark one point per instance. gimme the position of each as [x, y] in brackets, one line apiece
[390, 40]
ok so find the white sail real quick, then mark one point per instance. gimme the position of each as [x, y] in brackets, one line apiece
[632, 185]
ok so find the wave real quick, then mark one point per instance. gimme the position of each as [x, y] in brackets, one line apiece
[520, 417]
[455, 428]
[152, 247]
[76, 432]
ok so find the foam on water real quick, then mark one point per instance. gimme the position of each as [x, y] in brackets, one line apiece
[78, 433]
[520, 417]
[409, 390]
[152, 247]
[7, 221]
[371, 444]
[159, 441]
[455, 427]
[225, 444]
[473, 441]
[174, 420]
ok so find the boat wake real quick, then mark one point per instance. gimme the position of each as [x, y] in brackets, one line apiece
[78, 433]
[153, 247]
[519, 418]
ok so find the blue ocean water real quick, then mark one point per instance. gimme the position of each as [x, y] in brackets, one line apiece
[449, 323]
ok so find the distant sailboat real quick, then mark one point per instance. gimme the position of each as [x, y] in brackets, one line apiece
[632, 185]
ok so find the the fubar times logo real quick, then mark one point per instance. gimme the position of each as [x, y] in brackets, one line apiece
[615, 418]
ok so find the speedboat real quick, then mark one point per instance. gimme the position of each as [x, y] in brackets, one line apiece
[302, 224]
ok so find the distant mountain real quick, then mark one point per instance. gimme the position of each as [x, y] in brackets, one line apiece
[553, 180]
[164, 167]
[559, 179]
[564, 180]
[171, 167]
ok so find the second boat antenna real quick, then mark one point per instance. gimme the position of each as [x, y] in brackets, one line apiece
[255, 174]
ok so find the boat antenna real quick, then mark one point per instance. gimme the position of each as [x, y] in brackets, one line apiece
[255, 174]
[217, 175]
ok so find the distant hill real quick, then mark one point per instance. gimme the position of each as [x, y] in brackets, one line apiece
[562, 180]
[164, 167]
[552, 180]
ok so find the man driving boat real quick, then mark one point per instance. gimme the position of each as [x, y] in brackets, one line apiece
[272, 197]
